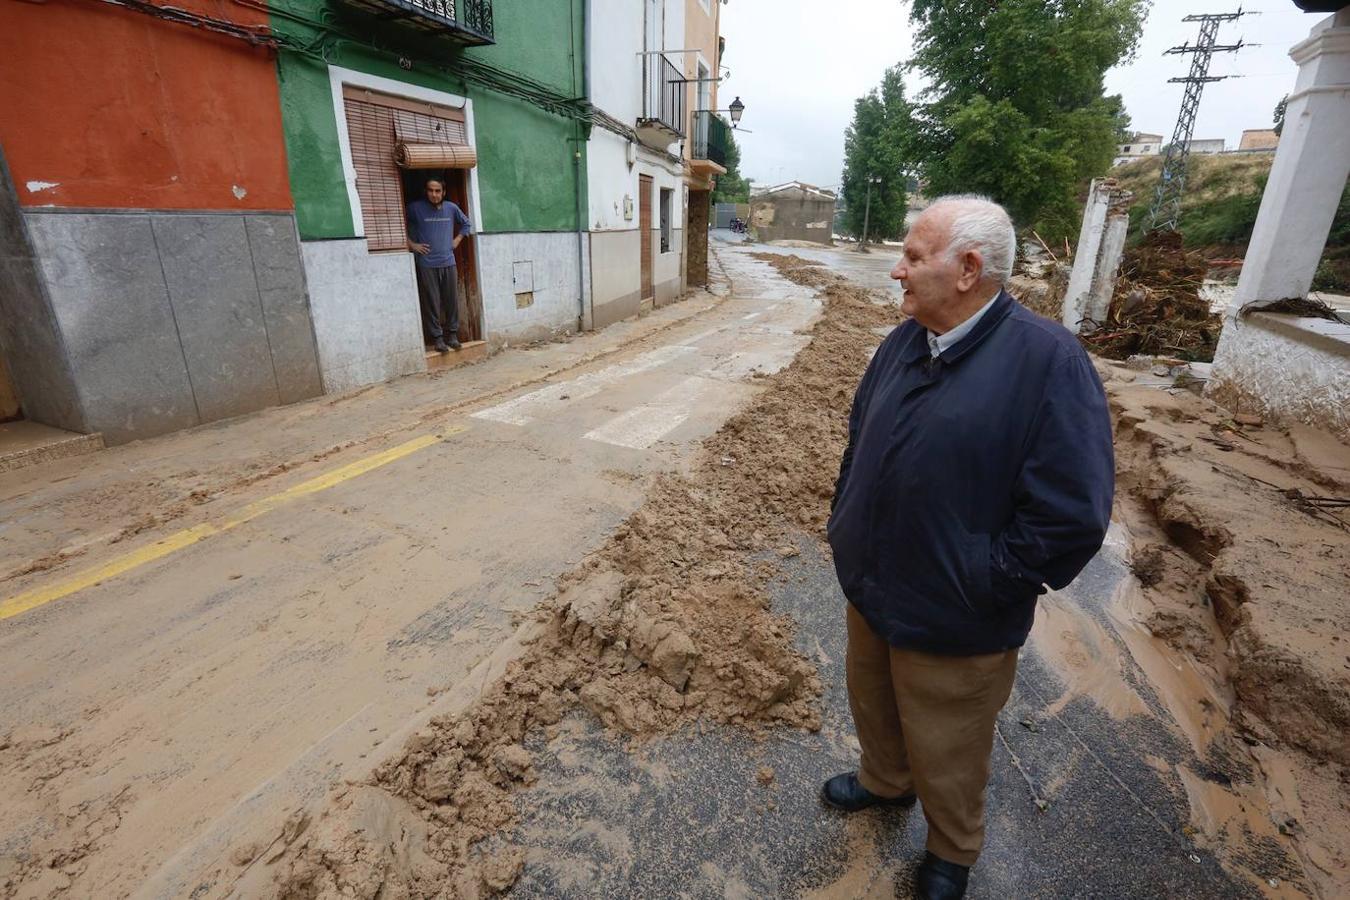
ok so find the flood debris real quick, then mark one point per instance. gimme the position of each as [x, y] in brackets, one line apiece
[1305, 307]
[1157, 307]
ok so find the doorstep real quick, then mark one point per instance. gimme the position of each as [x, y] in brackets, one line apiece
[471, 352]
[25, 443]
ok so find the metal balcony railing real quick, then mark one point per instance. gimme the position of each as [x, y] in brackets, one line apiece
[663, 95]
[468, 21]
[712, 137]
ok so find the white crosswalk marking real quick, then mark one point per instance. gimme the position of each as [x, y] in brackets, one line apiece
[643, 426]
[524, 409]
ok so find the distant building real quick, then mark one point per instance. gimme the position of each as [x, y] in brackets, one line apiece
[793, 211]
[1207, 145]
[1259, 139]
[1140, 145]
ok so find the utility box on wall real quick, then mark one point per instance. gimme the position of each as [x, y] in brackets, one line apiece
[522, 282]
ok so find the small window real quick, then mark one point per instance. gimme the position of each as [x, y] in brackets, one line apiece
[666, 199]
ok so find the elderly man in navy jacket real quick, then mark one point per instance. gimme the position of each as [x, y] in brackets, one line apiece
[978, 470]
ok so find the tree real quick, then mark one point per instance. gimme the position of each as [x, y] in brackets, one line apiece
[878, 144]
[1279, 114]
[731, 187]
[1016, 107]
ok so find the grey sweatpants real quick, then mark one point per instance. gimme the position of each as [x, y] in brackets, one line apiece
[440, 297]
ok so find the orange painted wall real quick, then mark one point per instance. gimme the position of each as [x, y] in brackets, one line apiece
[104, 107]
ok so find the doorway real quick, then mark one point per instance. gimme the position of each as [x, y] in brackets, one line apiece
[645, 228]
[379, 125]
[456, 183]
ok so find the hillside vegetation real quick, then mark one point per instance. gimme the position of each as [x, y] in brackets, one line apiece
[1218, 210]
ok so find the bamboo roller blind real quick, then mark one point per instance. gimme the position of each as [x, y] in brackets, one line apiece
[376, 125]
[435, 156]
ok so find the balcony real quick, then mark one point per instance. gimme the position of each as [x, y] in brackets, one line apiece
[663, 103]
[712, 137]
[467, 22]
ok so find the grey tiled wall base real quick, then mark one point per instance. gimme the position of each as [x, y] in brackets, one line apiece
[172, 319]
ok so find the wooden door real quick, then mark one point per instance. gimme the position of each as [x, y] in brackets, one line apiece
[466, 262]
[10, 408]
[645, 228]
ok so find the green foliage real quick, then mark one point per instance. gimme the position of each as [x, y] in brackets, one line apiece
[1227, 220]
[1279, 114]
[879, 143]
[732, 187]
[1016, 107]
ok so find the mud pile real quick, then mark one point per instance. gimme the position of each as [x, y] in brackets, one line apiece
[668, 622]
[1157, 308]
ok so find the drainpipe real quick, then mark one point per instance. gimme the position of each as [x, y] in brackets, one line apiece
[586, 316]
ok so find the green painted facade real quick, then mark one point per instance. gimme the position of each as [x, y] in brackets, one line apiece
[528, 177]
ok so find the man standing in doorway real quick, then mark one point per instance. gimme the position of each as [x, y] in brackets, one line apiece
[435, 228]
[979, 468]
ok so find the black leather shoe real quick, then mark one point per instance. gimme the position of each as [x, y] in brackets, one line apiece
[846, 793]
[938, 879]
[442, 346]
[454, 343]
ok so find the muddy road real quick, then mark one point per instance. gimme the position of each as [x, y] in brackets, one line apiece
[206, 632]
[563, 625]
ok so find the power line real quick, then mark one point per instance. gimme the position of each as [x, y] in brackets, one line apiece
[1166, 209]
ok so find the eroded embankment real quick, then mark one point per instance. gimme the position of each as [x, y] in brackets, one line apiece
[666, 623]
[1242, 552]
[1240, 539]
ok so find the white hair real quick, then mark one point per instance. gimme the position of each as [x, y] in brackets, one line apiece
[978, 223]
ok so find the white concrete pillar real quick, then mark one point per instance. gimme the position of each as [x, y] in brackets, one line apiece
[1086, 252]
[1108, 260]
[1310, 169]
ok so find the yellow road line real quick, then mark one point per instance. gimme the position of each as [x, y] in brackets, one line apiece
[134, 559]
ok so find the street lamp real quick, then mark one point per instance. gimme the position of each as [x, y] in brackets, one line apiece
[867, 211]
[737, 109]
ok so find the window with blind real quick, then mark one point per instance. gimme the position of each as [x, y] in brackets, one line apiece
[376, 124]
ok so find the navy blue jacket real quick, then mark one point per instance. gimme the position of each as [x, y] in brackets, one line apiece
[970, 481]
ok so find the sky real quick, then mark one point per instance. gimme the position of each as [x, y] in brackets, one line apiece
[798, 72]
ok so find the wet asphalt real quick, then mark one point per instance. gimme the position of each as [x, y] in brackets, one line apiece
[685, 816]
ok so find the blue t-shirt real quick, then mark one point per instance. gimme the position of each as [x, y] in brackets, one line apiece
[437, 227]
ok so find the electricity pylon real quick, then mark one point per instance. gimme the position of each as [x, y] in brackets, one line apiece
[1167, 199]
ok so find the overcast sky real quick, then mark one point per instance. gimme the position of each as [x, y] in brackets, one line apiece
[798, 65]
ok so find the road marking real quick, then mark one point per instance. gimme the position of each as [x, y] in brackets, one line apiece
[524, 409]
[694, 339]
[36, 597]
[643, 426]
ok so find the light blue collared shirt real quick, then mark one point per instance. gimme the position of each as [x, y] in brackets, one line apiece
[937, 343]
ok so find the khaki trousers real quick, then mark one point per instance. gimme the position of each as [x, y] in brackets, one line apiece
[926, 726]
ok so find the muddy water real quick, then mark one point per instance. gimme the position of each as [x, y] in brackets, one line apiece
[1199, 704]
[1105, 654]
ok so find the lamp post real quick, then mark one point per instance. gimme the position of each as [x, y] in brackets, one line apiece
[867, 211]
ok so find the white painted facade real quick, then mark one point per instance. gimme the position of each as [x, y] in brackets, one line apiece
[620, 32]
[1141, 145]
